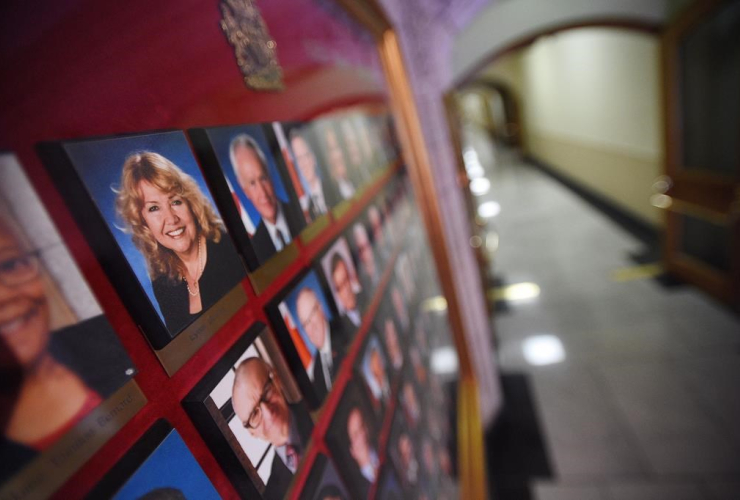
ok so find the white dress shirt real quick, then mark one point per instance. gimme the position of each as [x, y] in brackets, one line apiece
[369, 471]
[316, 192]
[354, 317]
[282, 225]
[326, 359]
[346, 189]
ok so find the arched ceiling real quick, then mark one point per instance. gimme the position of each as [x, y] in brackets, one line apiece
[504, 24]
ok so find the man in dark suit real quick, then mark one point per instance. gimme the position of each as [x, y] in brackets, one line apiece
[278, 224]
[347, 299]
[260, 404]
[329, 342]
[364, 257]
[362, 450]
[319, 194]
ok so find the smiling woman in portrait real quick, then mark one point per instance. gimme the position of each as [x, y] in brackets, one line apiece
[189, 256]
[58, 360]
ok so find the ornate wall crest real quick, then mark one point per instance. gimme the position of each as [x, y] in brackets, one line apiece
[255, 50]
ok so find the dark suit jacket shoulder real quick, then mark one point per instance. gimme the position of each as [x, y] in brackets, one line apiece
[280, 478]
[262, 243]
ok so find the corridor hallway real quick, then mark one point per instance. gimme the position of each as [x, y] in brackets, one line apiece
[635, 385]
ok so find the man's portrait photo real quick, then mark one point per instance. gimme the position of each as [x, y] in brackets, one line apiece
[373, 369]
[352, 439]
[348, 294]
[339, 167]
[250, 398]
[315, 332]
[249, 162]
[368, 267]
[306, 170]
[402, 450]
[359, 169]
[387, 328]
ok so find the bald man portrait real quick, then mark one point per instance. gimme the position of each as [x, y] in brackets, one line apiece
[278, 224]
[328, 339]
[259, 403]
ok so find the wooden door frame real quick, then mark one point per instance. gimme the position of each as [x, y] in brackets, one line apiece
[699, 194]
[471, 453]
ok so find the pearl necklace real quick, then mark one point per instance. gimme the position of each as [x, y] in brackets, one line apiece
[200, 273]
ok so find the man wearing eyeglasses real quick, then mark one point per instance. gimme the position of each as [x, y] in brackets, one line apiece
[260, 404]
[329, 341]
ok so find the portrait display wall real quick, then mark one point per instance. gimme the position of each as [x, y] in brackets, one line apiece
[234, 288]
[177, 230]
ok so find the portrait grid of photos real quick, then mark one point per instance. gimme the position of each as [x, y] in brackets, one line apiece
[179, 220]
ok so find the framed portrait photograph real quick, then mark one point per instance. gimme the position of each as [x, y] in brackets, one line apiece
[243, 163]
[382, 245]
[341, 275]
[369, 268]
[408, 396]
[309, 329]
[406, 279]
[252, 416]
[344, 179]
[373, 369]
[399, 307]
[388, 331]
[323, 482]
[63, 366]
[148, 214]
[158, 466]
[362, 128]
[352, 440]
[359, 165]
[402, 450]
[306, 169]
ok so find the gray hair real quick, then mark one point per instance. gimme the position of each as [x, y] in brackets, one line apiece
[246, 141]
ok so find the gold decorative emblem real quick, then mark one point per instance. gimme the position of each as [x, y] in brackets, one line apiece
[255, 50]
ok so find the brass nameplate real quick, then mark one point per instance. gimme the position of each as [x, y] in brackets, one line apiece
[314, 229]
[176, 353]
[46, 473]
[271, 269]
[342, 208]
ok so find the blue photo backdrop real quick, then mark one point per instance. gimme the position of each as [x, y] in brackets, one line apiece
[170, 466]
[310, 281]
[221, 138]
[99, 163]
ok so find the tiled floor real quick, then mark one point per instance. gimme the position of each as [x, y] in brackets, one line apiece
[645, 403]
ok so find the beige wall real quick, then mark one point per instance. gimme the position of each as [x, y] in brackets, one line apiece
[591, 108]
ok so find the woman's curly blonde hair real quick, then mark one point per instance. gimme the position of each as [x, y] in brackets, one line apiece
[169, 178]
